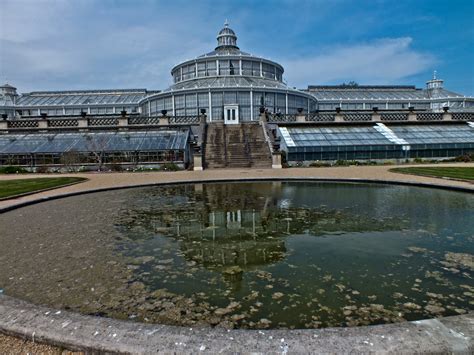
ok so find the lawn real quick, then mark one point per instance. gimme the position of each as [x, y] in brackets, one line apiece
[458, 173]
[10, 188]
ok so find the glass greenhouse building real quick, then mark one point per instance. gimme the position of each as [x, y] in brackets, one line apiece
[227, 85]
[229, 82]
[377, 142]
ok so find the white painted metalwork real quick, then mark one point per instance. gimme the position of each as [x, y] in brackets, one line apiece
[287, 137]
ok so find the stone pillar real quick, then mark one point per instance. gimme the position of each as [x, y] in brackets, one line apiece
[197, 162]
[412, 116]
[447, 116]
[123, 121]
[83, 122]
[43, 124]
[376, 117]
[3, 125]
[338, 118]
[300, 118]
[276, 160]
[263, 117]
[164, 121]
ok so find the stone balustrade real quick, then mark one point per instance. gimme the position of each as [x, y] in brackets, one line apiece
[376, 116]
[137, 121]
[93, 122]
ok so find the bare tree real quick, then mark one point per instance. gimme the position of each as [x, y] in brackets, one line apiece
[96, 145]
[71, 159]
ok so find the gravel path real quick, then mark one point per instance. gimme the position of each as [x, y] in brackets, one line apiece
[15, 346]
[11, 345]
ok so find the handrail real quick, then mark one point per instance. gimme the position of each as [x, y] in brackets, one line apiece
[224, 141]
[266, 135]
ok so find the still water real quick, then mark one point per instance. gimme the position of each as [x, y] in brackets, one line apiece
[246, 255]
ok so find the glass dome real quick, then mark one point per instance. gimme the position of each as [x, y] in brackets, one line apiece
[228, 76]
[226, 38]
[227, 60]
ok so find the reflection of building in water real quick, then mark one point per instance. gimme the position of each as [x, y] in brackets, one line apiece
[221, 225]
[230, 226]
[235, 220]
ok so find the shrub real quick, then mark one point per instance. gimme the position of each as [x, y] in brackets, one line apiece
[319, 164]
[116, 167]
[42, 170]
[170, 167]
[466, 158]
[342, 163]
[12, 170]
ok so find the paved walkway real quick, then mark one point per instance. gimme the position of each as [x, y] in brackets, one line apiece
[99, 181]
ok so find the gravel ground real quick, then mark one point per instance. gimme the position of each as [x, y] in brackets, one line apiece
[15, 346]
[12, 345]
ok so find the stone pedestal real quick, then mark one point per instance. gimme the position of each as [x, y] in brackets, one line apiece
[123, 122]
[276, 160]
[263, 117]
[3, 125]
[43, 124]
[197, 162]
[447, 116]
[300, 118]
[164, 121]
[412, 117]
[82, 122]
[338, 118]
[376, 117]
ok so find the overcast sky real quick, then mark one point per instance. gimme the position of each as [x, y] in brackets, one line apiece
[102, 44]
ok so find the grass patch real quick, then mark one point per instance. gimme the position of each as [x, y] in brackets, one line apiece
[10, 188]
[458, 173]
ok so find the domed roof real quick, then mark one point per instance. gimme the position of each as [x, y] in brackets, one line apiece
[226, 30]
[7, 86]
[226, 38]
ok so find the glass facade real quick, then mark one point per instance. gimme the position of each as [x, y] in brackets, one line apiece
[191, 103]
[222, 67]
[366, 143]
[115, 147]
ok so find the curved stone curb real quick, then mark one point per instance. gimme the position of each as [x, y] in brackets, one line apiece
[95, 334]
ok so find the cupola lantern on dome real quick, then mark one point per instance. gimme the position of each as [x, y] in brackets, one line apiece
[226, 38]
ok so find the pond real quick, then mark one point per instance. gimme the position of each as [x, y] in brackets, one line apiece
[256, 255]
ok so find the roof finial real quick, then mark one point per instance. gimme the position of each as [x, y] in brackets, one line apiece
[226, 23]
[434, 74]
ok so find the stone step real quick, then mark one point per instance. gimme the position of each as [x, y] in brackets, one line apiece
[236, 146]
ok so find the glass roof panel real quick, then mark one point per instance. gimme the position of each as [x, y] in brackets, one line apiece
[441, 133]
[93, 141]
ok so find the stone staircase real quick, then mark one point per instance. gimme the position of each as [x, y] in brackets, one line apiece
[236, 146]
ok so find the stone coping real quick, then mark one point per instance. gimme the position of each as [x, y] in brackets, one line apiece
[98, 335]
[104, 335]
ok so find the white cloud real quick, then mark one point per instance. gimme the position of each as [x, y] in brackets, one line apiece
[58, 44]
[52, 45]
[382, 61]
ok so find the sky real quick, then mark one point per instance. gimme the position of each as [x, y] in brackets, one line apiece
[108, 44]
